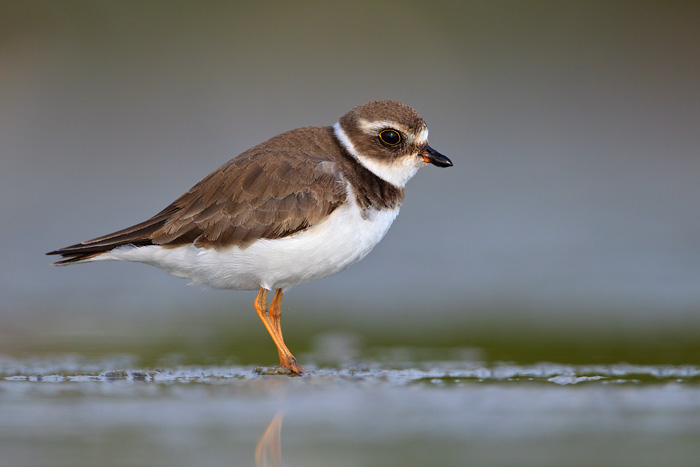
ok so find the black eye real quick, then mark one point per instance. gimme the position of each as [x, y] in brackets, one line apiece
[390, 137]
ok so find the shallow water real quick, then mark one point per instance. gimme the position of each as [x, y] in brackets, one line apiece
[398, 409]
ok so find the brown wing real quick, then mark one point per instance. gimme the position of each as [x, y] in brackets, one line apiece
[263, 193]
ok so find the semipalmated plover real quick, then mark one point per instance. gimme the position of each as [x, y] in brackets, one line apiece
[301, 206]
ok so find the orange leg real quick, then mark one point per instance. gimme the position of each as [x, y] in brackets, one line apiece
[271, 319]
[276, 317]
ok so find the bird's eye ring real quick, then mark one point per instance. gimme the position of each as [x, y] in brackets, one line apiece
[390, 137]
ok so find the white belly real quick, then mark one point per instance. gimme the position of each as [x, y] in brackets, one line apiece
[327, 248]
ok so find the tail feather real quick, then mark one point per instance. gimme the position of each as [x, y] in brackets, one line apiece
[82, 251]
[137, 235]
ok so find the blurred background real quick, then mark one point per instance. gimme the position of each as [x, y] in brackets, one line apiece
[569, 227]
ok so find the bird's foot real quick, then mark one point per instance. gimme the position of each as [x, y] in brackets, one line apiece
[288, 366]
[293, 366]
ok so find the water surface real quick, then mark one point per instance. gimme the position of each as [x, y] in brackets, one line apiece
[397, 410]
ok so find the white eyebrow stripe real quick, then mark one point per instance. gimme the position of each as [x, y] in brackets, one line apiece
[372, 127]
[422, 137]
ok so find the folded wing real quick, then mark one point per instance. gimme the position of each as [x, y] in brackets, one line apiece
[260, 194]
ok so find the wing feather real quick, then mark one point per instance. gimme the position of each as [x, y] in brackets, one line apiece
[266, 192]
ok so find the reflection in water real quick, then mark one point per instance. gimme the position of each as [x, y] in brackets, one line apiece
[268, 452]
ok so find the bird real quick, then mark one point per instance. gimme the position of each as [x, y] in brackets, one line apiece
[298, 207]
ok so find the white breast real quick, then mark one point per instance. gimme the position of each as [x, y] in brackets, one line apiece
[344, 238]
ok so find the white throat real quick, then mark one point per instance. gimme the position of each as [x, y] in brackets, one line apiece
[397, 172]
